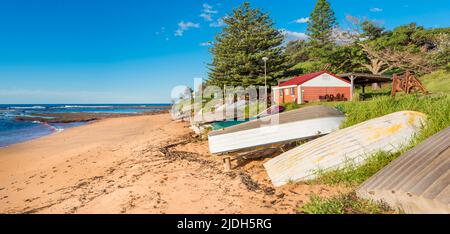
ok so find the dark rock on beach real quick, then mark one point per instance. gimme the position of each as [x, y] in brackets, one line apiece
[81, 117]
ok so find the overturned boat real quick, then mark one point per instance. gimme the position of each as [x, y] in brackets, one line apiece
[226, 124]
[182, 111]
[352, 145]
[417, 182]
[220, 113]
[305, 123]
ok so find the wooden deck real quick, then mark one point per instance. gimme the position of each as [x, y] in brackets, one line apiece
[418, 181]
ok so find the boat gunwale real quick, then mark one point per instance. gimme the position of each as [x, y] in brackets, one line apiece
[306, 113]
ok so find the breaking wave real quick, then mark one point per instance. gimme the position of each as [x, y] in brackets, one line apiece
[27, 107]
[68, 106]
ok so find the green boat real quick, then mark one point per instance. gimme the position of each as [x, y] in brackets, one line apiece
[226, 124]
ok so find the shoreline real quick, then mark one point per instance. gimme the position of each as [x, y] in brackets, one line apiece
[82, 116]
[139, 164]
[54, 132]
[72, 118]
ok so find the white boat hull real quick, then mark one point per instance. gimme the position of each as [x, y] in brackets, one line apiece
[351, 145]
[290, 126]
[273, 134]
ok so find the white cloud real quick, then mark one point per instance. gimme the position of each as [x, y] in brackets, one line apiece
[302, 20]
[209, 9]
[208, 12]
[184, 26]
[291, 36]
[376, 9]
[206, 17]
[218, 23]
[208, 43]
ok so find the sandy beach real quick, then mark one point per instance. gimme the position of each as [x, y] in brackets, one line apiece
[139, 164]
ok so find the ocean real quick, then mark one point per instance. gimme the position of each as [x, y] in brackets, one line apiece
[13, 131]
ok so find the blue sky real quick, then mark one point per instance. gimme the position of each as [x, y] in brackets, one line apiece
[136, 51]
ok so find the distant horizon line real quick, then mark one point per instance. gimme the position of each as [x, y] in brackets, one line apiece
[68, 103]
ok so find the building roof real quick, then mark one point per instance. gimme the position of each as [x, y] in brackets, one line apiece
[365, 78]
[305, 78]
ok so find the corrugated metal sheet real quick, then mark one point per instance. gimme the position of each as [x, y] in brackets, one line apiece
[305, 78]
[418, 181]
[353, 144]
[293, 125]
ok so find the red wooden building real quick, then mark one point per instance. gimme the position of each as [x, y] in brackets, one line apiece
[319, 86]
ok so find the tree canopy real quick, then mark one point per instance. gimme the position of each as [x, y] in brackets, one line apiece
[249, 35]
[321, 23]
[371, 48]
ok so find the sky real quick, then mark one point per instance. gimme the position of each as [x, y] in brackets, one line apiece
[137, 51]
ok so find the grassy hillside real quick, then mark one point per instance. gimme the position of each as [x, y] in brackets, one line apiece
[437, 82]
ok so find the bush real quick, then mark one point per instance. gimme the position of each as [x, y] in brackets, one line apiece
[291, 106]
[343, 204]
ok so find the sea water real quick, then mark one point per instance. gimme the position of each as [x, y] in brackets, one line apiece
[12, 131]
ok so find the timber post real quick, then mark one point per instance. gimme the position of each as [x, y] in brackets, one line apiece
[227, 164]
[352, 91]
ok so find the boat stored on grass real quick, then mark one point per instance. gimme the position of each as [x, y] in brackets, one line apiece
[352, 145]
[416, 182]
[304, 123]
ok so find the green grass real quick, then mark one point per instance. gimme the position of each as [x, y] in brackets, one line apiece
[437, 108]
[352, 175]
[343, 204]
[291, 106]
[437, 82]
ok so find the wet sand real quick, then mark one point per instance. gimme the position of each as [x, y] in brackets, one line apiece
[139, 164]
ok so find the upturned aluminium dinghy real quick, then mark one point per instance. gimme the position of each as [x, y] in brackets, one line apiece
[351, 145]
[418, 182]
